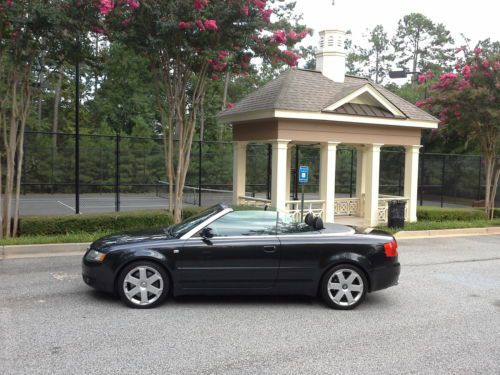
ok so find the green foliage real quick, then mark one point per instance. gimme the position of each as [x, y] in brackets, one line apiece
[419, 43]
[448, 224]
[437, 214]
[90, 223]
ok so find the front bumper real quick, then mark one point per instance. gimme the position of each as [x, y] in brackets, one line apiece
[98, 276]
[385, 277]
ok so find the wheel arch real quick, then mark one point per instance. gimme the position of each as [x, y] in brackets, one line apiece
[160, 261]
[363, 265]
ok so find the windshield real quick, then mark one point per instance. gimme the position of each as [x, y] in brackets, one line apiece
[178, 230]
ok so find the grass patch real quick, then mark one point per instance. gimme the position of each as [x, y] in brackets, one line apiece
[49, 239]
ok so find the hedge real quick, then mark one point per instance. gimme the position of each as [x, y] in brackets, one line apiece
[427, 213]
[90, 223]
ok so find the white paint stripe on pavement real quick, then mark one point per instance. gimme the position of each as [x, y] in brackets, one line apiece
[66, 205]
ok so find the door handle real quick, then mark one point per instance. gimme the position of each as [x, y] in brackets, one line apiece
[269, 249]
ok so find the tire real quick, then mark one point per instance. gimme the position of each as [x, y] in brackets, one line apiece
[143, 285]
[344, 287]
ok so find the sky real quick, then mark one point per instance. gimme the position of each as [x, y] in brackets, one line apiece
[478, 19]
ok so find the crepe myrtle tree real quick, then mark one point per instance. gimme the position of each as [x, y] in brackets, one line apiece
[28, 31]
[467, 101]
[187, 43]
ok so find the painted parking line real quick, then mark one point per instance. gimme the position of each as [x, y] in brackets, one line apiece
[67, 205]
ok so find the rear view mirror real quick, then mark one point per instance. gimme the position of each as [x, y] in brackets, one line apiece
[207, 233]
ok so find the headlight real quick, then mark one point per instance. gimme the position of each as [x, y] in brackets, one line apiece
[95, 256]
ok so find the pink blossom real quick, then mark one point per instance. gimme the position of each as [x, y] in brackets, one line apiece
[458, 50]
[211, 24]
[229, 105]
[291, 57]
[421, 103]
[447, 76]
[199, 25]
[245, 10]
[463, 84]
[133, 4]
[466, 71]
[223, 55]
[98, 30]
[259, 3]
[424, 77]
[126, 22]
[106, 6]
[279, 37]
[214, 77]
[184, 25]
[266, 15]
[292, 35]
[477, 51]
[485, 64]
[200, 4]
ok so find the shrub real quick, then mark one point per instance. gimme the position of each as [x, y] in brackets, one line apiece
[427, 213]
[90, 223]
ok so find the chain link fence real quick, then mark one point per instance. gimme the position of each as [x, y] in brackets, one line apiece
[122, 173]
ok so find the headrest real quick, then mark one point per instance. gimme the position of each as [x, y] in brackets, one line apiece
[309, 219]
[318, 223]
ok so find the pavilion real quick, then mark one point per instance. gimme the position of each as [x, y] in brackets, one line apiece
[328, 108]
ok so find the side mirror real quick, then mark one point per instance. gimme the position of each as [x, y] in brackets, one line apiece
[207, 233]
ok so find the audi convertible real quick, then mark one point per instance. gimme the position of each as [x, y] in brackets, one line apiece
[243, 252]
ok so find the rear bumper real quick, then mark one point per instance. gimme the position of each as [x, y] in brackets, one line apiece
[384, 277]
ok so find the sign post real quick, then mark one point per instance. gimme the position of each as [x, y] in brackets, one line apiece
[303, 178]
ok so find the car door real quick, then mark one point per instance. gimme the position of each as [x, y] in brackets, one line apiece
[242, 254]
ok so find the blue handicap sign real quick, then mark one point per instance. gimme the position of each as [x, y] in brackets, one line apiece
[303, 174]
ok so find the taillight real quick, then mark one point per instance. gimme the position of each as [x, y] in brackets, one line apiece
[391, 249]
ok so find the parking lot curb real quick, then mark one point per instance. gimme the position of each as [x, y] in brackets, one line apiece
[462, 232]
[42, 250]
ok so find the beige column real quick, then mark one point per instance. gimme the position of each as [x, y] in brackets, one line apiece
[372, 173]
[411, 180]
[360, 169]
[239, 170]
[278, 180]
[328, 160]
[288, 170]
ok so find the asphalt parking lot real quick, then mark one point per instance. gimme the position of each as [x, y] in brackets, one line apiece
[443, 317]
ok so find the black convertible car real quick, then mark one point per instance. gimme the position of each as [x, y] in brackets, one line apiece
[223, 251]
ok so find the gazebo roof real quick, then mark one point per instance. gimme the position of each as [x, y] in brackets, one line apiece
[310, 91]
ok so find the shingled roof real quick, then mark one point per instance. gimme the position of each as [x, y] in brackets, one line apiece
[311, 91]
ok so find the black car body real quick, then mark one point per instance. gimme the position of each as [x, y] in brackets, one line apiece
[222, 251]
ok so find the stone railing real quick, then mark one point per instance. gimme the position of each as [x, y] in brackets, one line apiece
[383, 206]
[253, 201]
[348, 206]
[317, 207]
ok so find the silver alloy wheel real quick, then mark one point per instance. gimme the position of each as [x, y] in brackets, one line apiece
[143, 285]
[345, 287]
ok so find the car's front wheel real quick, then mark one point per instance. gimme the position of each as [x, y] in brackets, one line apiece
[143, 285]
[344, 287]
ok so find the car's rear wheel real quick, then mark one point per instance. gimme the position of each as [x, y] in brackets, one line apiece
[344, 287]
[143, 285]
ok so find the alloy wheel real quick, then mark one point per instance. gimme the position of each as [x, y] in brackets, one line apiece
[345, 287]
[143, 285]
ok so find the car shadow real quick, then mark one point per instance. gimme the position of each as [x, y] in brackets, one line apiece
[244, 300]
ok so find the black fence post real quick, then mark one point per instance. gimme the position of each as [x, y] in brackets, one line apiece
[77, 138]
[200, 158]
[443, 174]
[269, 169]
[296, 176]
[422, 179]
[117, 173]
[479, 178]
[351, 176]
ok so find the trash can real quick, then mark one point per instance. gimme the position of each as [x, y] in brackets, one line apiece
[396, 214]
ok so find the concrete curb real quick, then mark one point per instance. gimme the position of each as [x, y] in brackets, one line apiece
[42, 250]
[406, 235]
[65, 249]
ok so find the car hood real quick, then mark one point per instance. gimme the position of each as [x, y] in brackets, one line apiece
[131, 237]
